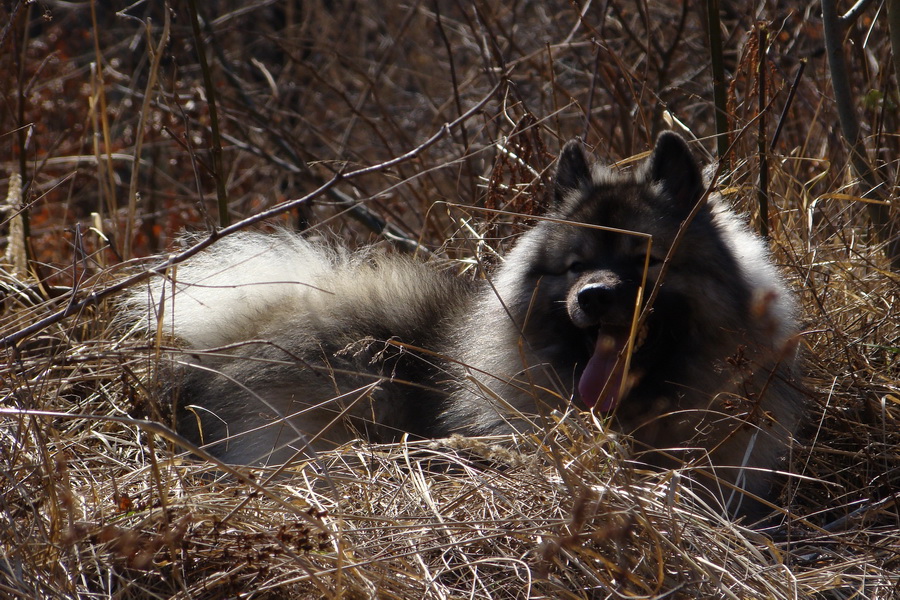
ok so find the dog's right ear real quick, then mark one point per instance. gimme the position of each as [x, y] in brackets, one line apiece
[672, 165]
[572, 172]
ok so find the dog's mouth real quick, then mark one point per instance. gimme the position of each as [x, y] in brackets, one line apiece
[604, 381]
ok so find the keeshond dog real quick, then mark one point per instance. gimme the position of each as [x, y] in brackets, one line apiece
[636, 297]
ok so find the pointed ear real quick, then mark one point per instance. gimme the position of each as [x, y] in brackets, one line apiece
[572, 171]
[673, 166]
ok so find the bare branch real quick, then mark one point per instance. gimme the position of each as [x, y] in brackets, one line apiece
[857, 9]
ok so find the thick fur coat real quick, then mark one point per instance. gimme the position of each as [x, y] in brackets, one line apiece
[294, 345]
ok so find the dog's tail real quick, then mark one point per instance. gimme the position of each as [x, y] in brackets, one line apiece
[222, 295]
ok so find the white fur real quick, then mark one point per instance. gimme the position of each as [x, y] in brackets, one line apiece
[759, 272]
[222, 295]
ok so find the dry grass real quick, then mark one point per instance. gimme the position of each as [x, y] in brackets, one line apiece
[98, 500]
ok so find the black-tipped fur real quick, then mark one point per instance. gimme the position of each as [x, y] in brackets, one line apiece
[333, 344]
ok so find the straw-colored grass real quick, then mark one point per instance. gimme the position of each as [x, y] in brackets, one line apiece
[99, 498]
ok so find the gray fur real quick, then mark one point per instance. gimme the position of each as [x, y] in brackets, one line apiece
[333, 344]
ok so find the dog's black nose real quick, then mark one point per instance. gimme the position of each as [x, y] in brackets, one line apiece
[596, 298]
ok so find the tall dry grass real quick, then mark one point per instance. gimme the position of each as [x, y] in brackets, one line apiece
[106, 121]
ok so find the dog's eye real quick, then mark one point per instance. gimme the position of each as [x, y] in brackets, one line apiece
[653, 262]
[577, 266]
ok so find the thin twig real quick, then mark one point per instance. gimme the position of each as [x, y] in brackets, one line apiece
[787, 104]
[763, 189]
[156, 54]
[855, 11]
[717, 60]
[216, 150]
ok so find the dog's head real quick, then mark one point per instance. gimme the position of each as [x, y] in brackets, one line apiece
[587, 272]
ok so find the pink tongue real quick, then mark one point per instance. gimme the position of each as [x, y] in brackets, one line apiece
[601, 372]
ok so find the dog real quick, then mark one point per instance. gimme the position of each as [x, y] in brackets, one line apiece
[638, 296]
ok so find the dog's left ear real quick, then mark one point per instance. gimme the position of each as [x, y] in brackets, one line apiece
[572, 171]
[673, 166]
